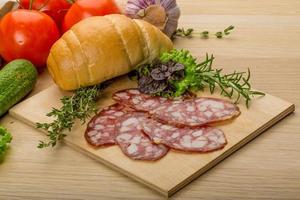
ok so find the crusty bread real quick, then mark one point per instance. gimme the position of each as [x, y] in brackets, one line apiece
[100, 48]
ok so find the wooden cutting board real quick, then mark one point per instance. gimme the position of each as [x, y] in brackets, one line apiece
[176, 169]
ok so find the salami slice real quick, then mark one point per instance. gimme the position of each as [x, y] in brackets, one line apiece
[101, 129]
[135, 99]
[195, 112]
[133, 142]
[202, 139]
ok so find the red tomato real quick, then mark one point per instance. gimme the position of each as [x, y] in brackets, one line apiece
[86, 8]
[27, 34]
[56, 9]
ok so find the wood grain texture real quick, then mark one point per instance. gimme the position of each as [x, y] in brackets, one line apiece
[176, 169]
[266, 39]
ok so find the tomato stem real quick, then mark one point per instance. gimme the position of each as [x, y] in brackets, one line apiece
[70, 1]
[19, 3]
[42, 6]
[30, 4]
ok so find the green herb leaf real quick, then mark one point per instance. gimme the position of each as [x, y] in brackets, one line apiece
[205, 34]
[219, 34]
[182, 32]
[78, 106]
[228, 30]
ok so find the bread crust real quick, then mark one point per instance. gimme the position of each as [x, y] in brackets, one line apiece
[100, 48]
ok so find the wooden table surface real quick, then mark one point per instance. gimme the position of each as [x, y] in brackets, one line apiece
[266, 39]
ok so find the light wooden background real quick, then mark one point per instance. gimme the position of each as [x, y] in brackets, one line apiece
[267, 39]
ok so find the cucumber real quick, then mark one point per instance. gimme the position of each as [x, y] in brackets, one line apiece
[17, 79]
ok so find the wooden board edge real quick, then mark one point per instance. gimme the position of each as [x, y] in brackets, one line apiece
[73, 146]
[21, 119]
[173, 190]
[233, 149]
[118, 169]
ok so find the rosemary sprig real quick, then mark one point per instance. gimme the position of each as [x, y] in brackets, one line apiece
[189, 32]
[78, 106]
[201, 75]
[235, 84]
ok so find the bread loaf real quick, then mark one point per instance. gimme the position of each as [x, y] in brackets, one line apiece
[100, 48]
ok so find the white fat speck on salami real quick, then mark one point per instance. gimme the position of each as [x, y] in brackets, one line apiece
[195, 112]
[203, 139]
[133, 98]
[133, 142]
[101, 129]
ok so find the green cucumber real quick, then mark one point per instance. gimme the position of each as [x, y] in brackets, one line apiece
[17, 79]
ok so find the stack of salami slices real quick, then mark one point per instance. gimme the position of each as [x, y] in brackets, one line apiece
[146, 127]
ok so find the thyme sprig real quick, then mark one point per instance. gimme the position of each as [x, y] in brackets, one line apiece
[78, 106]
[190, 32]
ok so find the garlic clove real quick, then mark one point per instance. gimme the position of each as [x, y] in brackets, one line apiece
[155, 15]
[164, 14]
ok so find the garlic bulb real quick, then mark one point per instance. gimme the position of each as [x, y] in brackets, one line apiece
[162, 13]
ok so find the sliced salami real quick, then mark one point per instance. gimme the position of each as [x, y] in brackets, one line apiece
[101, 129]
[135, 99]
[202, 139]
[133, 142]
[195, 112]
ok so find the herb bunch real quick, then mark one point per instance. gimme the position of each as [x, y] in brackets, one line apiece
[157, 76]
[190, 32]
[78, 106]
[198, 76]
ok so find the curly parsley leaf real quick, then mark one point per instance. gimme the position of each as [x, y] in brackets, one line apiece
[5, 139]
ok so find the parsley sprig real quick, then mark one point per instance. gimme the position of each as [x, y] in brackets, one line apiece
[5, 138]
[78, 106]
